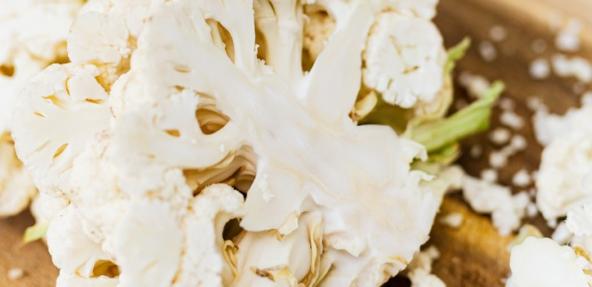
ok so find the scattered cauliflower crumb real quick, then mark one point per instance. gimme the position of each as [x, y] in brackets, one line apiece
[454, 219]
[487, 51]
[506, 209]
[420, 269]
[500, 136]
[540, 69]
[498, 159]
[475, 84]
[15, 274]
[498, 33]
[568, 38]
[489, 175]
[507, 104]
[517, 143]
[512, 119]
[535, 104]
[577, 67]
[521, 178]
[476, 151]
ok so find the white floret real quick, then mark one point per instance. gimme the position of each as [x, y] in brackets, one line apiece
[402, 52]
[542, 262]
[566, 164]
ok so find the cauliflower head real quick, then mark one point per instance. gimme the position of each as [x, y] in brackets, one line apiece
[185, 145]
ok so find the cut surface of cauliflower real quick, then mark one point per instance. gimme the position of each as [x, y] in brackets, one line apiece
[168, 131]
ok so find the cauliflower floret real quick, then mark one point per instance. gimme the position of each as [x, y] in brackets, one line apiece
[543, 262]
[402, 52]
[33, 35]
[64, 96]
[565, 172]
[117, 135]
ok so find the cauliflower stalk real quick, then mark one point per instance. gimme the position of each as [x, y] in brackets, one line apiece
[185, 145]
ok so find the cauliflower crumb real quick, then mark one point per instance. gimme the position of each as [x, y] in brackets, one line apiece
[517, 143]
[512, 119]
[454, 219]
[577, 67]
[521, 178]
[507, 104]
[568, 38]
[487, 51]
[420, 269]
[535, 104]
[498, 159]
[500, 136]
[489, 175]
[476, 151]
[15, 274]
[506, 209]
[475, 84]
[540, 69]
[498, 33]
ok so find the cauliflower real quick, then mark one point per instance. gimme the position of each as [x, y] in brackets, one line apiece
[543, 262]
[566, 165]
[33, 35]
[169, 125]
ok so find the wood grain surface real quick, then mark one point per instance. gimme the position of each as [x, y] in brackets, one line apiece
[473, 255]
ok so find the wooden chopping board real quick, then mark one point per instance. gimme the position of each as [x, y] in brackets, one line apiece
[473, 255]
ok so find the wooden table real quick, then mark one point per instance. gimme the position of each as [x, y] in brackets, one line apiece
[473, 255]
